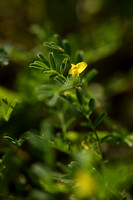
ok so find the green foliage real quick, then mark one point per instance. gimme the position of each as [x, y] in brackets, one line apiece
[62, 149]
[6, 109]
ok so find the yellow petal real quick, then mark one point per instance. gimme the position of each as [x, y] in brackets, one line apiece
[81, 67]
[73, 71]
[77, 69]
[73, 66]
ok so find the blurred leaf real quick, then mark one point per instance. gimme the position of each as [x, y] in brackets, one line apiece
[45, 91]
[92, 104]
[69, 122]
[72, 82]
[10, 110]
[24, 137]
[53, 46]
[128, 139]
[100, 119]
[10, 139]
[67, 97]
[59, 79]
[39, 195]
[79, 56]
[6, 109]
[74, 165]
[67, 47]
[53, 100]
[66, 179]
[90, 75]
[106, 138]
[59, 40]
[4, 59]
[79, 95]
[47, 130]
[4, 105]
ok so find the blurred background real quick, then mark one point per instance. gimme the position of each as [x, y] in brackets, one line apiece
[103, 29]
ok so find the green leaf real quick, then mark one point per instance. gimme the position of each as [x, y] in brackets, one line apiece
[128, 139]
[91, 74]
[35, 66]
[69, 122]
[10, 139]
[68, 98]
[52, 102]
[59, 40]
[79, 95]
[43, 59]
[106, 138]
[67, 68]
[100, 119]
[38, 65]
[10, 110]
[4, 59]
[66, 47]
[24, 136]
[5, 109]
[53, 46]
[6, 137]
[41, 64]
[63, 65]
[66, 179]
[74, 165]
[79, 56]
[49, 72]
[72, 82]
[92, 104]
[52, 60]
[4, 105]
[59, 79]
[45, 91]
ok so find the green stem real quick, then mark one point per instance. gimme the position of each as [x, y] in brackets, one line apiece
[99, 141]
[94, 131]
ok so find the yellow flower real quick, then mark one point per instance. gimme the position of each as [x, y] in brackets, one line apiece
[85, 183]
[84, 145]
[77, 69]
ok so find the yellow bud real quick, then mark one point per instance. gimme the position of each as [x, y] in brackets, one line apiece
[72, 135]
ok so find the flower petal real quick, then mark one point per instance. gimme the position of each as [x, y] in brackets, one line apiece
[73, 71]
[73, 66]
[81, 67]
